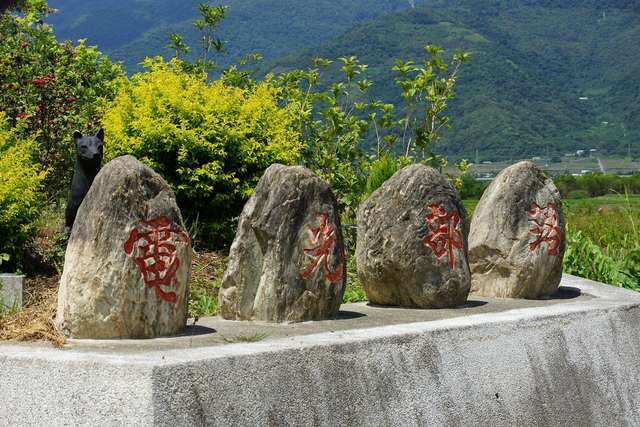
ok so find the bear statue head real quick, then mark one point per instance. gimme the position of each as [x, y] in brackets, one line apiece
[89, 148]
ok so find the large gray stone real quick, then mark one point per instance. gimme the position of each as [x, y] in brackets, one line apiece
[412, 242]
[517, 238]
[287, 262]
[127, 264]
[11, 291]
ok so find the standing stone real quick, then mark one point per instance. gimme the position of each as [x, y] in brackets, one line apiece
[127, 265]
[287, 261]
[412, 242]
[11, 291]
[517, 238]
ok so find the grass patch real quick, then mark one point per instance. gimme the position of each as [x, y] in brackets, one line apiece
[207, 269]
[354, 292]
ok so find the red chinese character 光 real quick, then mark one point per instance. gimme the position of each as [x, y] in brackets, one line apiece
[323, 238]
[444, 233]
[156, 255]
[545, 228]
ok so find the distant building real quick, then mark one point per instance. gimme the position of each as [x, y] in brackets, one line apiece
[580, 153]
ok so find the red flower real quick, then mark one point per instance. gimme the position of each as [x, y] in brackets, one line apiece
[24, 45]
[44, 80]
[71, 99]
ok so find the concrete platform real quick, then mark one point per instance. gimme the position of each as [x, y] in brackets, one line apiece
[571, 360]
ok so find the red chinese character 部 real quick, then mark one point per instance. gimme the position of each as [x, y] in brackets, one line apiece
[544, 228]
[443, 232]
[323, 240]
[150, 243]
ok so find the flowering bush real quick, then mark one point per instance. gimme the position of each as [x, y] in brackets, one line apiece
[210, 141]
[49, 89]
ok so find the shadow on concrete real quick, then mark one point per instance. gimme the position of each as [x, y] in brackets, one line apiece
[468, 304]
[472, 304]
[195, 330]
[345, 315]
[565, 292]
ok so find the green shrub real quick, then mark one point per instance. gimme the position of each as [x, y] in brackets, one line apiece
[597, 184]
[381, 170]
[472, 188]
[211, 142]
[20, 197]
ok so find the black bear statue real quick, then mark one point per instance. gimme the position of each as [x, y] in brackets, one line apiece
[88, 161]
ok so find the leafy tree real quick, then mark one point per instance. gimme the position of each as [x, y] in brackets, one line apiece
[50, 88]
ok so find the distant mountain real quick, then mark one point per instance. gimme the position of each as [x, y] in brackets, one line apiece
[546, 77]
[129, 30]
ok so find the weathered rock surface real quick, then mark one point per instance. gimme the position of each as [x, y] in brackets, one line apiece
[128, 260]
[287, 261]
[412, 242]
[517, 238]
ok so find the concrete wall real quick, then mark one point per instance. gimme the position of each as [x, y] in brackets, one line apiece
[574, 363]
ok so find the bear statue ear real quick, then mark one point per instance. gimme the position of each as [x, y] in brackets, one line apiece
[100, 134]
[77, 135]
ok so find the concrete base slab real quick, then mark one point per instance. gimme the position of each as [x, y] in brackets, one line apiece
[572, 360]
[11, 291]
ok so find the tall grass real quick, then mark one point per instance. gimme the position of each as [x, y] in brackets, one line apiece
[603, 240]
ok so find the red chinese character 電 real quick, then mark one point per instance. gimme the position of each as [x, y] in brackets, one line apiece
[443, 232]
[545, 228]
[323, 240]
[150, 243]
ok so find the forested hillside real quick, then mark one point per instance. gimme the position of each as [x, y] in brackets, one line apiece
[129, 30]
[545, 77]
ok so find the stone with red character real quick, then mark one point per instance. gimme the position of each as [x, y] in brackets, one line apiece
[517, 238]
[127, 264]
[412, 242]
[287, 261]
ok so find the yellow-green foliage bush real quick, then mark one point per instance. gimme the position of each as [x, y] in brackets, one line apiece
[20, 197]
[210, 141]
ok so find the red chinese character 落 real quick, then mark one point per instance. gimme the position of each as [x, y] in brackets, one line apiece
[156, 255]
[443, 232]
[323, 240]
[545, 228]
